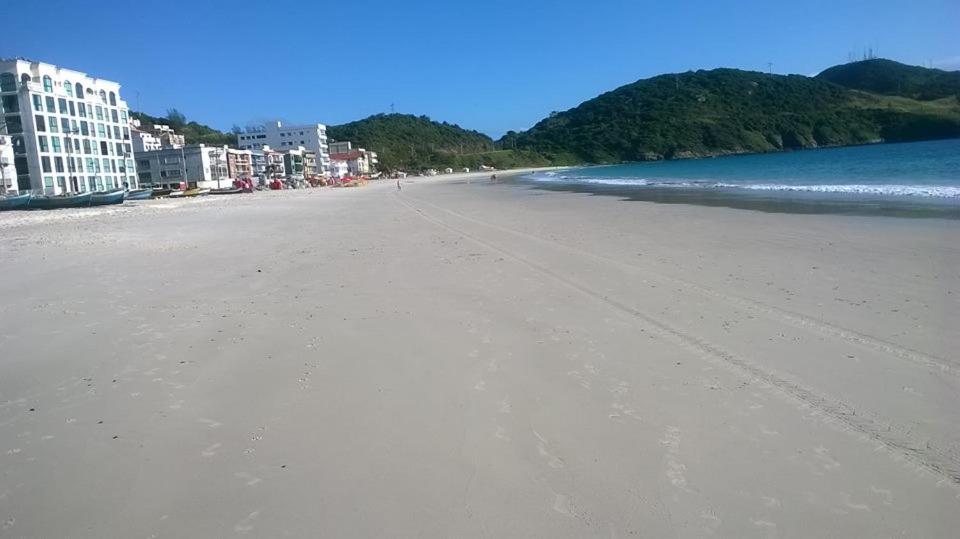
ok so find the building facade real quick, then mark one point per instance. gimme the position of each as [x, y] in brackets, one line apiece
[69, 131]
[143, 141]
[239, 164]
[313, 137]
[339, 169]
[197, 165]
[359, 162]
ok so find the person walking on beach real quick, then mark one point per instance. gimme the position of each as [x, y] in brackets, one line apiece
[398, 185]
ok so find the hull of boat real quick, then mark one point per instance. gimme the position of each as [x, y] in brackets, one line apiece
[107, 198]
[44, 202]
[196, 192]
[175, 194]
[14, 202]
[236, 191]
[139, 194]
[158, 193]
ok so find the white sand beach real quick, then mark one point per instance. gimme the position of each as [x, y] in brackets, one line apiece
[466, 359]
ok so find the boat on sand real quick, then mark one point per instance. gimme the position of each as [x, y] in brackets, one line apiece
[56, 202]
[14, 202]
[106, 198]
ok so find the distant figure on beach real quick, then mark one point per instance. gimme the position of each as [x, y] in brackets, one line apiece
[493, 178]
[398, 186]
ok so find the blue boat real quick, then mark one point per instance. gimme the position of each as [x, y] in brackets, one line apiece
[56, 202]
[105, 198]
[14, 202]
[140, 194]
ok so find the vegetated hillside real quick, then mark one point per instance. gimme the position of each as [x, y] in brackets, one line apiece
[887, 77]
[407, 142]
[193, 132]
[726, 111]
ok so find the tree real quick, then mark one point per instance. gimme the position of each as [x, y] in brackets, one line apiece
[176, 118]
[236, 130]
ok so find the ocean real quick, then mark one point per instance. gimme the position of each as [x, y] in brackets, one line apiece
[909, 179]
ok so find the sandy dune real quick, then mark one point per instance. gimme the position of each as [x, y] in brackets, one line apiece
[469, 359]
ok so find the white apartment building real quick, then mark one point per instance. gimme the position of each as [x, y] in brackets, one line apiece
[197, 165]
[339, 169]
[313, 137]
[144, 142]
[360, 162]
[69, 130]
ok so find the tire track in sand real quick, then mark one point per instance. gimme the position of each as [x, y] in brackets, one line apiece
[778, 314]
[927, 458]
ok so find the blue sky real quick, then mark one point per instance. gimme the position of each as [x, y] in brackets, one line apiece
[492, 66]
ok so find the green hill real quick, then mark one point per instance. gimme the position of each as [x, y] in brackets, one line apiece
[725, 111]
[193, 132]
[407, 142]
[887, 77]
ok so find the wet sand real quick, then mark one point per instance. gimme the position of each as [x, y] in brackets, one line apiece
[472, 359]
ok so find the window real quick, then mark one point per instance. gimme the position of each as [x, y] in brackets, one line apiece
[101, 131]
[41, 125]
[62, 105]
[116, 132]
[123, 116]
[103, 148]
[106, 164]
[65, 125]
[47, 84]
[9, 103]
[51, 104]
[79, 92]
[113, 100]
[119, 149]
[86, 148]
[48, 184]
[58, 164]
[8, 82]
[83, 109]
[99, 112]
[83, 129]
[113, 116]
[91, 165]
[53, 124]
[42, 141]
[144, 163]
[45, 164]
[55, 142]
[73, 110]
[68, 88]
[103, 96]
[37, 103]
[14, 125]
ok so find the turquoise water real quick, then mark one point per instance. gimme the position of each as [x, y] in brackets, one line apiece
[909, 172]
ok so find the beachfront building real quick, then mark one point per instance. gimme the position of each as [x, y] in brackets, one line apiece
[339, 169]
[360, 162]
[8, 172]
[197, 165]
[293, 164]
[239, 164]
[68, 130]
[144, 141]
[313, 137]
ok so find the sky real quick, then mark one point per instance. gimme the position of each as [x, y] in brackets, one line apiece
[491, 65]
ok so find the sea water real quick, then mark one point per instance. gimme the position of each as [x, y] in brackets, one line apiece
[881, 177]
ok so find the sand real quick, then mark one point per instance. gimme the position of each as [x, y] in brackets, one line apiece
[468, 359]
